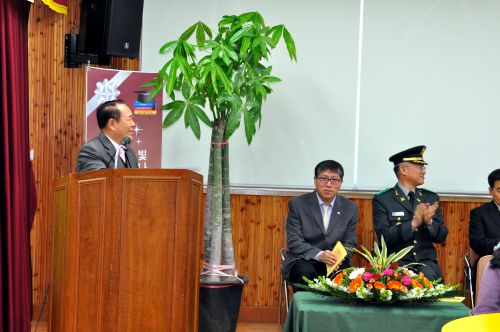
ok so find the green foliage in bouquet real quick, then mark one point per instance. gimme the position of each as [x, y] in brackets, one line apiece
[381, 281]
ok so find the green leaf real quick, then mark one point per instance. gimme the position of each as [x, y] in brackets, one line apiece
[249, 126]
[239, 34]
[207, 29]
[226, 20]
[276, 31]
[186, 90]
[186, 34]
[178, 104]
[183, 65]
[290, 44]
[171, 78]
[156, 90]
[376, 249]
[200, 34]
[233, 121]
[244, 46]
[198, 100]
[246, 17]
[200, 113]
[192, 121]
[223, 78]
[168, 47]
[271, 79]
[230, 52]
[225, 57]
[172, 117]
[189, 49]
[213, 72]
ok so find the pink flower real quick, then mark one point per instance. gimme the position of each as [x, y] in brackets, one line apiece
[366, 276]
[406, 280]
[388, 272]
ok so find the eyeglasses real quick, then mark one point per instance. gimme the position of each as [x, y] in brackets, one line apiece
[422, 167]
[324, 180]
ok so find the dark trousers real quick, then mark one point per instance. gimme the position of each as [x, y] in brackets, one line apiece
[310, 269]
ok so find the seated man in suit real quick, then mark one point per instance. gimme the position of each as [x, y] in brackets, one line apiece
[316, 221]
[409, 216]
[115, 119]
[484, 225]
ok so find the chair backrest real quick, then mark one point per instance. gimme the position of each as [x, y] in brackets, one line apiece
[481, 266]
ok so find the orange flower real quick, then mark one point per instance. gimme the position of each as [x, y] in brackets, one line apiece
[369, 286]
[416, 284]
[395, 285]
[338, 279]
[427, 283]
[355, 284]
[379, 285]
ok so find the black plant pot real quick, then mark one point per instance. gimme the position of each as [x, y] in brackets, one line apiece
[220, 305]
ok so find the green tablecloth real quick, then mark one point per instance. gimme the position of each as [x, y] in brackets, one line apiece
[313, 313]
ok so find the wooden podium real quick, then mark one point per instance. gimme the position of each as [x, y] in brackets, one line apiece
[127, 251]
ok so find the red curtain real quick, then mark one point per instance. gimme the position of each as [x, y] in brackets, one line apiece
[16, 185]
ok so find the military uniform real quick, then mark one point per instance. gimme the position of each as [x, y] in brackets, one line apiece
[392, 217]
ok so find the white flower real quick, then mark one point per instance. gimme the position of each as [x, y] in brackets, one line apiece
[363, 293]
[356, 272]
[385, 294]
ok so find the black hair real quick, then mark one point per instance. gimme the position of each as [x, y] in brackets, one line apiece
[329, 165]
[106, 111]
[495, 259]
[396, 169]
[494, 176]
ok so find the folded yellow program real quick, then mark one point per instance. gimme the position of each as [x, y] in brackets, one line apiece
[339, 251]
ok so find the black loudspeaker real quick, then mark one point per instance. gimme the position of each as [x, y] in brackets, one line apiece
[111, 27]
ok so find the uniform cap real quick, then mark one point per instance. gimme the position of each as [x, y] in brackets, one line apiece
[411, 155]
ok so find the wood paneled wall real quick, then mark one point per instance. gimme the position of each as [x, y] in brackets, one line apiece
[57, 100]
[57, 108]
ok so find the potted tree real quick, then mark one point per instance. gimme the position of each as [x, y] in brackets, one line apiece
[222, 81]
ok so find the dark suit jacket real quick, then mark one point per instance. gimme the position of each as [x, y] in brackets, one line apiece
[99, 153]
[306, 235]
[392, 215]
[484, 228]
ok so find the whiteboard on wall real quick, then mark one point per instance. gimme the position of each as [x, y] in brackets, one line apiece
[372, 78]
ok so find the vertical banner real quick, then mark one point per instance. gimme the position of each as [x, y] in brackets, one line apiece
[106, 84]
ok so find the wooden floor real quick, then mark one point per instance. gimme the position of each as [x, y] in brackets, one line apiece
[242, 327]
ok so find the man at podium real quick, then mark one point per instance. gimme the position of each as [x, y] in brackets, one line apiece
[109, 149]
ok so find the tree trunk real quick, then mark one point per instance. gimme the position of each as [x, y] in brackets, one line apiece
[227, 234]
[213, 207]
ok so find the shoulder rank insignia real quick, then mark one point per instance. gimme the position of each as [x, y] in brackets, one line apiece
[383, 191]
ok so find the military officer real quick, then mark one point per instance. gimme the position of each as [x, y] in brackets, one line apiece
[409, 216]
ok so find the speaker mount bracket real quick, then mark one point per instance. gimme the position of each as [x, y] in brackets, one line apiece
[74, 59]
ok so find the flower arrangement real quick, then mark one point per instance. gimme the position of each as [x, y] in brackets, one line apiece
[381, 281]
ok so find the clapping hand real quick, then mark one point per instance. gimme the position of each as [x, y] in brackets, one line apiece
[429, 212]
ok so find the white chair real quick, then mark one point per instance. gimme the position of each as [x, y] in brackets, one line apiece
[283, 288]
